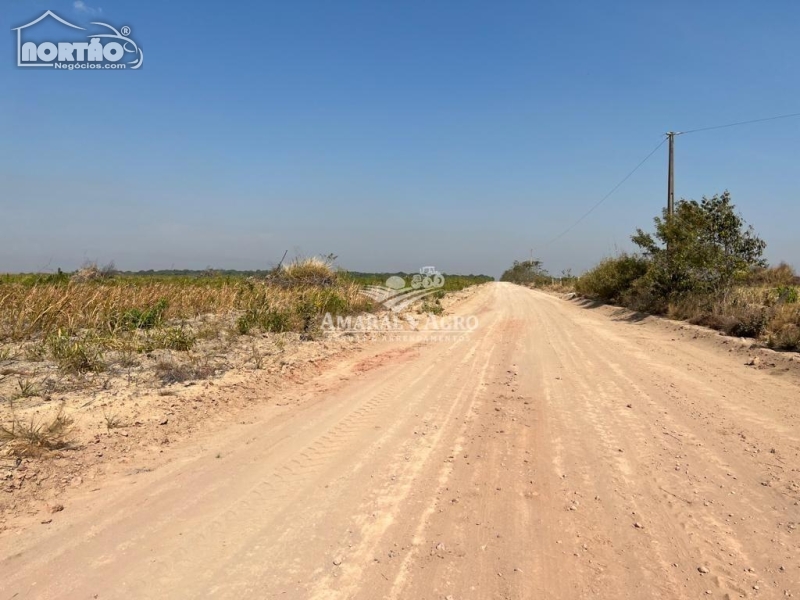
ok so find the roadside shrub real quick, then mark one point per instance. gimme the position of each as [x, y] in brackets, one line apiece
[431, 307]
[330, 301]
[746, 321]
[172, 338]
[176, 338]
[75, 355]
[526, 272]
[704, 264]
[780, 275]
[787, 294]
[612, 278]
[148, 318]
[244, 324]
[787, 338]
[644, 296]
[704, 247]
[275, 321]
[33, 438]
[265, 318]
[784, 328]
[695, 308]
[741, 312]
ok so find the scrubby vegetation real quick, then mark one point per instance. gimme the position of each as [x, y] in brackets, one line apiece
[705, 265]
[26, 438]
[527, 272]
[99, 319]
[97, 324]
[99, 330]
[33, 307]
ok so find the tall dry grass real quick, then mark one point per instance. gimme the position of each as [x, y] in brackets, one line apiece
[31, 310]
[746, 311]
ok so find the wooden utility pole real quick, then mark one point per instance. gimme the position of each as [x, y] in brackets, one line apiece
[671, 175]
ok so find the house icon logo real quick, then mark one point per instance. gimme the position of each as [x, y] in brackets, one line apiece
[104, 50]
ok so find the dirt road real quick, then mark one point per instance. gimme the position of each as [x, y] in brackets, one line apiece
[558, 452]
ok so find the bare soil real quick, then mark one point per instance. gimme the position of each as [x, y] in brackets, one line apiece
[559, 451]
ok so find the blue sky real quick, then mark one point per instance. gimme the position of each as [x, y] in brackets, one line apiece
[394, 134]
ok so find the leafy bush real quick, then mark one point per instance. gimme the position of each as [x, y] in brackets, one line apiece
[275, 321]
[612, 278]
[171, 338]
[148, 318]
[704, 264]
[75, 355]
[705, 247]
[432, 307]
[746, 321]
[787, 294]
[526, 272]
[244, 324]
[265, 318]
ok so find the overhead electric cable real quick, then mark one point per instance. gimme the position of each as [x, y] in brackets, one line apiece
[739, 123]
[604, 198]
[636, 168]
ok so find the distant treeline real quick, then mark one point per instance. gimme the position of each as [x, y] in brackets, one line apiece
[211, 276]
[209, 272]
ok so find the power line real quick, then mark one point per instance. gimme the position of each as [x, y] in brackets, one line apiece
[740, 123]
[604, 198]
[644, 160]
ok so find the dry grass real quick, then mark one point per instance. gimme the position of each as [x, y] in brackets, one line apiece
[762, 312]
[171, 371]
[106, 307]
[779, 275]
[112, 420]
[160, 330]
[309, 271]
[91, 272]
[784, 328]
[27, 389]
[35, 437]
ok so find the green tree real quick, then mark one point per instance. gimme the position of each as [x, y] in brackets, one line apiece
[704, 247]
[526, 272]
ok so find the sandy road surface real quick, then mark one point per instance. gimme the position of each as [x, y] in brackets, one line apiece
[556, 453]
